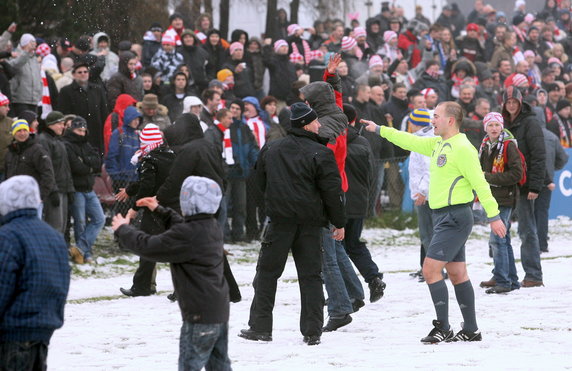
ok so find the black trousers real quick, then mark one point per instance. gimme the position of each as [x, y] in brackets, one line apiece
[25, 355]
[305, 243]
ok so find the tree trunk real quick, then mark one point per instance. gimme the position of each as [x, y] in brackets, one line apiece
[184, 9]
[271, 11]
[195, 12]
[209, 7]
[224, 18]
[294, 6]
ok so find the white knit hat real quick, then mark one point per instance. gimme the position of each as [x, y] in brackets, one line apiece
[26, 39]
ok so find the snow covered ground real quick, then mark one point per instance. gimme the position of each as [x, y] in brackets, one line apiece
[528, 329]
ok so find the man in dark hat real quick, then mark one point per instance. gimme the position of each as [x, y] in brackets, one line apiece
[560, 124]
[298, 210]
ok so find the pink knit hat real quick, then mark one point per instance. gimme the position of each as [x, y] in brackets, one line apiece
[388, 35]
[427, 92]
[555, 60]
[43, 50]
[375, 60]
[519, 80]
[296, 58]
[493, 117]
[4, 101]
[348, 43]
[235, 46]
[293, 28]
[529, 53]
[278, 44]
[359, 32]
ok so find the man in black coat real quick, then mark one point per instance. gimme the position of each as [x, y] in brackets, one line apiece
[303, 192]
[82, 98]
[282, 71]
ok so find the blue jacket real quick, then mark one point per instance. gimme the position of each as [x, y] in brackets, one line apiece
[122, 146]
[244, 150]
[34, 278]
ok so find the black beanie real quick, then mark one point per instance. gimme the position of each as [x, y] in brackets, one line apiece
[562, 103]
[302, 115]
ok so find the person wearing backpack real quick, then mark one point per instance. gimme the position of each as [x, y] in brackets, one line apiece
[503, 167]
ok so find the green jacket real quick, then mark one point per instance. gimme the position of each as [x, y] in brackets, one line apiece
[455, 169]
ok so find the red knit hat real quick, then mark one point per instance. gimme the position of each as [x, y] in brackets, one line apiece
[43, 50]
[4, 101]
[150, 135]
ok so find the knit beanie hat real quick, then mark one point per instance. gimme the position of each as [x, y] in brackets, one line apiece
[19, 192]
[168, 39]
[427, 92]
[359, 32]
[375, 60]
[420, 117]
[292, 29]
[54, 117]
[493, 117]
[26, 39]
[562, 103]
[43, 50]
[235, 46]
[4, 101]
[223, 74]
[29, 116]
[348, 43]
[511, 92]
[199, 195]
[278, 44]
[19, 125]
[388, 35]
[350, 112]
[302, 115]
[150, 135]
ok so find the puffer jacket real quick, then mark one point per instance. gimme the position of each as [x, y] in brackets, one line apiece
[56, 149]
[26, 85]
[419, 167]
[111, 59]
[528, 133]
[31, 158]
[122, 147]
[300, 180]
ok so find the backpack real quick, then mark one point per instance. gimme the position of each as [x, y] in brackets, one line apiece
[522, 180]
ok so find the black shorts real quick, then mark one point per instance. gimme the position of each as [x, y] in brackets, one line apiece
[452, 227]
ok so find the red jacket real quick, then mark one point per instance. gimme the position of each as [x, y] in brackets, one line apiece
[407, 42]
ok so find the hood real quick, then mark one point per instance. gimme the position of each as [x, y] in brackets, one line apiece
[96, 38]
[425, 132]
[465, 65]
[254, 102]
[321, 97]
[19, 192]
[353, 132]
[186, 128]
[123, 101]
[525, 111]
[199, 195]
[129, 115]
[149, 36]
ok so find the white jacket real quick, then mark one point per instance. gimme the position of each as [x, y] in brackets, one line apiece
[419, 167]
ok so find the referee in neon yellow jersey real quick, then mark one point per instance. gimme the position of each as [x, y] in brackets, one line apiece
[456, 175]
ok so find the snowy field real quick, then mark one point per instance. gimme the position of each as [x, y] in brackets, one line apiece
[528, 329]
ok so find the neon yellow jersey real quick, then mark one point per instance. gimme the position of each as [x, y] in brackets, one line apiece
[455, 169]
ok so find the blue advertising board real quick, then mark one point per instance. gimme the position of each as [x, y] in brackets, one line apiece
[561, 203]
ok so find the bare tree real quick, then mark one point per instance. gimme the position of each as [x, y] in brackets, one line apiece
[224, 18]
[209, 6]
[271, 11]
[294, 6]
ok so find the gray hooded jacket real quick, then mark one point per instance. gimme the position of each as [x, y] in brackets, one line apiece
[111, 59]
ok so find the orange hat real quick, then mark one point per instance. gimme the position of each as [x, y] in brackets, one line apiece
[223, 74]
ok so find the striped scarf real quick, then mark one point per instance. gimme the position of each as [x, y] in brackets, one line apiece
[307, 50]
[46, 102]
[258, 128]
[226, 144]
[498, 162]
[564, 138]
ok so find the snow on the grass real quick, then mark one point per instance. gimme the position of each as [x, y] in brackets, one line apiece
[523, 330]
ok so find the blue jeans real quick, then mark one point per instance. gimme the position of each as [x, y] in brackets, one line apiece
[342, 284]
[204, 345]
[541, 207]
[503, 256]
[88, 220]
[529, 248]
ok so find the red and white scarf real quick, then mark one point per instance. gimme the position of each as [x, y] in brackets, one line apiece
[226, 144]
[257, 127]
[307, 50]
[46, 102]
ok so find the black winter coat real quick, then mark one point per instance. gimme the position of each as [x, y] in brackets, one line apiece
[244, 81]
[528, 133]
[398, 109]
[359, 169]
[216, 58]
[31, 158]
[85, 162]
[437, 84]
[194, 247]
[56, 149]
[195, 58]
[197, 157]
[90, 104]
[153, 171]
[300, 180]
[282, 73]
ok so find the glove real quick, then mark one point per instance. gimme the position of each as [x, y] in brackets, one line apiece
[54, 199]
